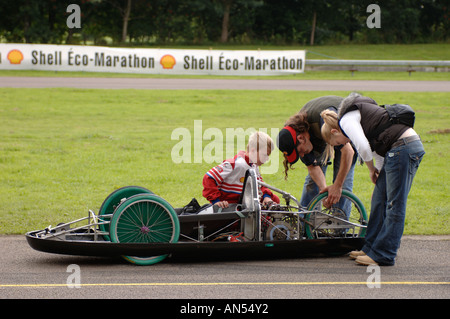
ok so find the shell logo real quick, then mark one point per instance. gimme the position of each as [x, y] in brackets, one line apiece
[15, 57]
[167, 61]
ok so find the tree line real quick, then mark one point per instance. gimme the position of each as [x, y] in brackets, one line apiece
[203, 22]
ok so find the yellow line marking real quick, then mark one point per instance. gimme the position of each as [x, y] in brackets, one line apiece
[311, 283]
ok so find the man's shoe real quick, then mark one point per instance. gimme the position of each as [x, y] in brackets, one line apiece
[356, 253]
[365, 260]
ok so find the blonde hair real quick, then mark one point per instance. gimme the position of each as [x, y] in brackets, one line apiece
[260, 141]
[331, 121]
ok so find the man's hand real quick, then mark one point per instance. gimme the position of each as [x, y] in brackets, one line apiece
[334, 195]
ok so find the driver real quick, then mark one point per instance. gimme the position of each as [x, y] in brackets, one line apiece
[301, 139]
[223, 184]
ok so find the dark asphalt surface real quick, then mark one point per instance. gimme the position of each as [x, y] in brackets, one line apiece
[422, 271]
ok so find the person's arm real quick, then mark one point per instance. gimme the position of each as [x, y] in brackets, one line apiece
[335, 190]
[210, 189]
[212, 193]
[212, 180]
[372, 171]
[351, 125]
[316, 173]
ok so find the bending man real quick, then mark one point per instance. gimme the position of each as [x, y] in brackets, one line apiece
[301, 139]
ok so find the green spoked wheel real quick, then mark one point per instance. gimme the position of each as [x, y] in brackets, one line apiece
[113, 201]
[349, 208]
[144, 218]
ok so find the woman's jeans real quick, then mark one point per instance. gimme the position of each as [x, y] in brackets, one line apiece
[388, 207]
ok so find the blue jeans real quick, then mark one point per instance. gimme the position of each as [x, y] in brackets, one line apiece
[311, 190]
[388, 207]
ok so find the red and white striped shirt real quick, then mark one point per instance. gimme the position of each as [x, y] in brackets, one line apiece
[226, 180]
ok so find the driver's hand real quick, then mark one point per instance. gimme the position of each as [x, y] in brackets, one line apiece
[222, 204]
[267, 201]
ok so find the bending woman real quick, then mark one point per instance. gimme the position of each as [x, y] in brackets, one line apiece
[397, 152]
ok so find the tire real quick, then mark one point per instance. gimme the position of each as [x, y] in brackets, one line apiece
[144, 218]
[249, 201]
[249, 198]
[113, 201]
[356, 215]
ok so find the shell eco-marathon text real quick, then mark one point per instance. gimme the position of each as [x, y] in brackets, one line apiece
[101, 59]
[52, 57]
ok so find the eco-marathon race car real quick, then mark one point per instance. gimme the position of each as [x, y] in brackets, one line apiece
[145, 229]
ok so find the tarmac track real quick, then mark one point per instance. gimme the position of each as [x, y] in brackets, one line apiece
[422, 271]
[223, 84]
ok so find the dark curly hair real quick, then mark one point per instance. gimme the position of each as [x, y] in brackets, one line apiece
[299, 122]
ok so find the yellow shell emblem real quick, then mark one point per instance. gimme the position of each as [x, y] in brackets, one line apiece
[167, 61]
[15, 57]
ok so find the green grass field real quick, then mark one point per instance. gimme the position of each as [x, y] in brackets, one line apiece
[62, 151]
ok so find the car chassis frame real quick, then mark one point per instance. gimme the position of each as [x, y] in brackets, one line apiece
[135, 223]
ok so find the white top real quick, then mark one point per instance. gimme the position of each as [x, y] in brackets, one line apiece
[351, 125]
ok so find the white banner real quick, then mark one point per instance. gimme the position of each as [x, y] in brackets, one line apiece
[149, 61]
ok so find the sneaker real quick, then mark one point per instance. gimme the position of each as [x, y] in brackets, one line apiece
[365, 260]
[356, 253]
